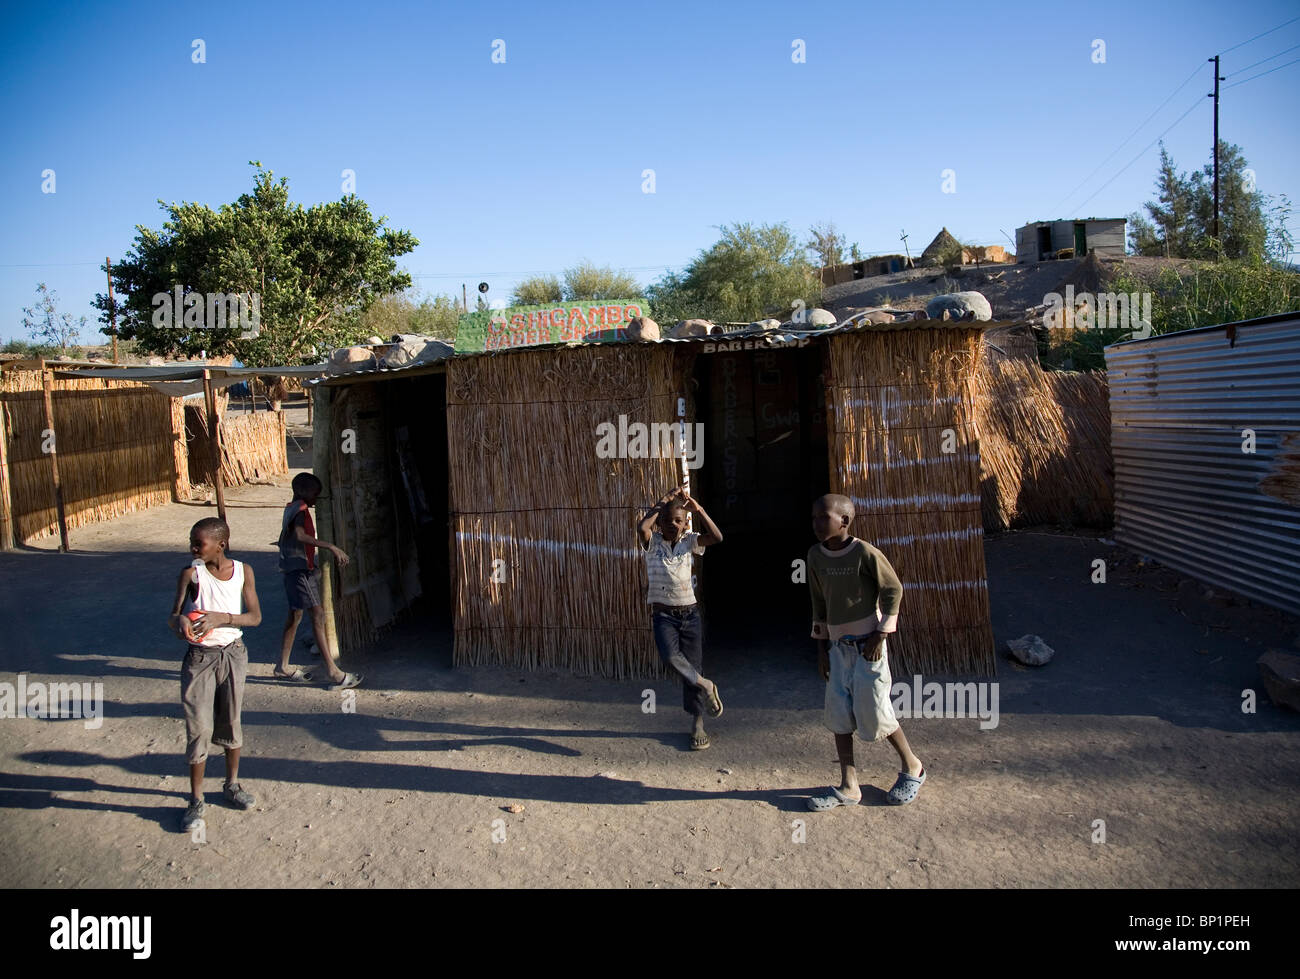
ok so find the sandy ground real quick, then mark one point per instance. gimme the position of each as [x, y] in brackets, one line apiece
[1136, 722]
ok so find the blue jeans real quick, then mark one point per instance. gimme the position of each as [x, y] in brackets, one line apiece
[679, 637]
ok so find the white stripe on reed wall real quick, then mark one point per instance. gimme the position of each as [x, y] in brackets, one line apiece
[964, 534]
[921, 499]
[952, 399]
[944, 585]
[554, 546]
[887, 463]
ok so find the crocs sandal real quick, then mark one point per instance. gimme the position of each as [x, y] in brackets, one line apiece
[905, 789]
[820, 803]
[349, 681]
[236, 796]
[297, 676]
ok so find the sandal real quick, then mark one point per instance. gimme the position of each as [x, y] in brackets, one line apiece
[714, 707]
[905, 788]
[699, 742]
[297, 676]
[349, 681]
[820, 803]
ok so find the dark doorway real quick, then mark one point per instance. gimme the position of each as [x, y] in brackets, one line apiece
[416, 415]
[1080, 239]
[1044, 241]
[765, 460]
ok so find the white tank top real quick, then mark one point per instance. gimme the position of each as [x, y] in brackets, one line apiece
[216, 595]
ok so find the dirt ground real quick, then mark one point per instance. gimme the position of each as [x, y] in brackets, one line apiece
[1137, 722]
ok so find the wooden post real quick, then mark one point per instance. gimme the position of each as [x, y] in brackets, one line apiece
[7, 539]
[47, 383]
[322, 455]
[180, 452]
[112, 310]
[214, 441]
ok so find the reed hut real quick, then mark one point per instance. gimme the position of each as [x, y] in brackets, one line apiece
[487, 465]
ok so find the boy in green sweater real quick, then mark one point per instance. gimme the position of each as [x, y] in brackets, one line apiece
[855, 599]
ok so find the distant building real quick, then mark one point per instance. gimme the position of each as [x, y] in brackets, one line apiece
[1042, 240]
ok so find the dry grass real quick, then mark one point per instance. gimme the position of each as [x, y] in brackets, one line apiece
[252, 448]
[529, 491]
[1044, 446]
[115, 443]
[899, 400]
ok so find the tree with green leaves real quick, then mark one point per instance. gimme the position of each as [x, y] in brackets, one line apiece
[406, 312]
[750, 272]
[47, 326]
[582, 282]
[313, 269]
[827, 244]
[1180, 222]
[537, 291]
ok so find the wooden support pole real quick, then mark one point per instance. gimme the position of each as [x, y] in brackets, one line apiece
[47, 383]
[321, 456]
[112, 310]
[7, 540]
[214, 441]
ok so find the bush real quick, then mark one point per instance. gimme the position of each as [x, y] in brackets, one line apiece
[1211, 294]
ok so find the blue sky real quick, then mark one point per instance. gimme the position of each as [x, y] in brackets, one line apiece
[507, 170]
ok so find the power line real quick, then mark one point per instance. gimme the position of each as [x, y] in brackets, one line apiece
[1261, 61]
[1141, 153]
[1258, 36]
[1263, 73]
[1129, 138]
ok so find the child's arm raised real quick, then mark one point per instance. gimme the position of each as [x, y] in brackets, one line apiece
[645, 527]
[177, 623]
[712, 534]
[251, 616]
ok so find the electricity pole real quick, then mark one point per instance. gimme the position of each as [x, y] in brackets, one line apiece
[906, 251]
[1215, 95]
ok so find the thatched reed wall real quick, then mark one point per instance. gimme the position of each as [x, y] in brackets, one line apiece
[252, 447]
[366, 520]
[116, 443]
[899, 400]
[1044, 446]
[548, 573]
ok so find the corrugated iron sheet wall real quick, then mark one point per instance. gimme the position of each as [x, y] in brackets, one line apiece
[1185, 491]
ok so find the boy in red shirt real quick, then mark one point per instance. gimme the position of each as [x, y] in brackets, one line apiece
[298, 543]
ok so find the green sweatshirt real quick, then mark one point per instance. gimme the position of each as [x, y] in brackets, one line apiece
[847, 586]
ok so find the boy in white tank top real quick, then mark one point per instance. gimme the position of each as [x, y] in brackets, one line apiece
[215, 598]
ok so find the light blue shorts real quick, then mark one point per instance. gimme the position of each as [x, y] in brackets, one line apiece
[857, 694]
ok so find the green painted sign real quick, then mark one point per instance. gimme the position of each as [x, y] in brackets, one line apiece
[534, 326]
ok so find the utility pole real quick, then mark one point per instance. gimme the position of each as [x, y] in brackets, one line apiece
[112, 310]
[906, 251]
[464, 298]
[1215, 95]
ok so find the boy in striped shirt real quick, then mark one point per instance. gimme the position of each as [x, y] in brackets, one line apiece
[676, 617]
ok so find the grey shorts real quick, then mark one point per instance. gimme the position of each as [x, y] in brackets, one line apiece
[300, 589]
[212, 693]
[857, 694]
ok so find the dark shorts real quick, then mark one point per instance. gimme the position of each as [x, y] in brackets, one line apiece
[300, 589]
[212, 694]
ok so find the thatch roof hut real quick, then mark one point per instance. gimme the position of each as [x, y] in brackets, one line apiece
[943, 243]
[544, 570]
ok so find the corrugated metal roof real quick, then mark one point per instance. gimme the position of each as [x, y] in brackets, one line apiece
[1185, 491]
